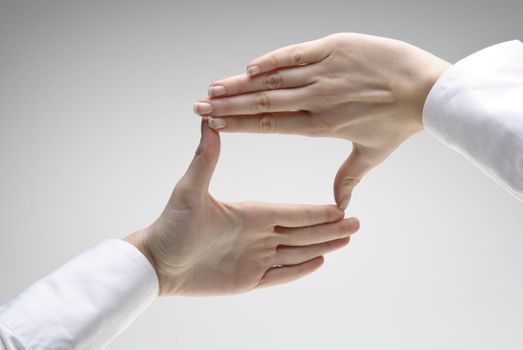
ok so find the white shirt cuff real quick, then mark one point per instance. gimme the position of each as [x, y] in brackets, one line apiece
[85, 303]
[476, 108]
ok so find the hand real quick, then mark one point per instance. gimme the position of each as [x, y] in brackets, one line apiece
[365, 89]
[200, 246]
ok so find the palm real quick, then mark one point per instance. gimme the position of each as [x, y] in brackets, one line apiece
[217, 257]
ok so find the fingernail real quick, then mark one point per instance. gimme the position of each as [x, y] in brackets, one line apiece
[217, 123]
[202, 108]
[254, 70]
[344, 203]
[216, 90]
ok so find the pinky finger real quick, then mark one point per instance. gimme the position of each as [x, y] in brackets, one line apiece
[289, 273]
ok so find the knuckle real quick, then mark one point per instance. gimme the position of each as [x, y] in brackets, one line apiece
[337, 37]
[332, 213]
[308, 235]
[308, 217]
[223, 107]
[274, 81]
[329, 95]
[350, 181]
[283, 237]
[267, 123]
[182, 196]
[297, 56]
[272, 218]
[239, 123]
[267, 259]
[273, 61]
[183, 187]
[262, 102]
[269, 242]
[199, 151]
[317, 127]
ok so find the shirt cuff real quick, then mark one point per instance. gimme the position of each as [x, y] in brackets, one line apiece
[85, 303]
[475, 108]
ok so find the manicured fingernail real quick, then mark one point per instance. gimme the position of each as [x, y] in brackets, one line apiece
[344, 203]
[217, 123]
[254, 70]
[202, 108]
[216, 90]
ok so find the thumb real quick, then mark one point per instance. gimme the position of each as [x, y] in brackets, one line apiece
[350, 174]
[198, 176]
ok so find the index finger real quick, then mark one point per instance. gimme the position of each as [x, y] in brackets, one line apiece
[289, 56]
[293, 215]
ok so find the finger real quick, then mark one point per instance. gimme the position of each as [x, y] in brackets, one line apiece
[288, 255]
[290, 56]
[318, 233]
[292, 215]
[254, 103]
[292, 123]
[198, 176]
[360, 161]
[279, 79]
[285, 274]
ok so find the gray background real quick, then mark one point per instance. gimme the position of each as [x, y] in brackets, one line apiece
[96, 127]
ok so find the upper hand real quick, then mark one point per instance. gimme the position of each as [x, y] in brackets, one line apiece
[201, 246]
[365, 89]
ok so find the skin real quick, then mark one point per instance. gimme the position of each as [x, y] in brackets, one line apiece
[201, 246]
[365, 89]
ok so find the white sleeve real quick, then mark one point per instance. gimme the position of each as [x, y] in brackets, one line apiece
[84, 304]
[476, 108]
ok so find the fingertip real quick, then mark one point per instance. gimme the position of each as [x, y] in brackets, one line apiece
[354, 223]
[334, 213]
[318, 262]
[311, 265]
[210, 138]
[337, 213]
[337, 244]
[203, 107]
[344, 203]
[194, 185]
[207, 130]
[342, 242]
[342, 193]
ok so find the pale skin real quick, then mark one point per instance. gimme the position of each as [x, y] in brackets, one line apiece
[365, 89]
[200, 246]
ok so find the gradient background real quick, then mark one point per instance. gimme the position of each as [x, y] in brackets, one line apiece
[96, 127]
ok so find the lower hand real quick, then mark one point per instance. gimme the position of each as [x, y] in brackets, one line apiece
[362, 88]
[201, 246]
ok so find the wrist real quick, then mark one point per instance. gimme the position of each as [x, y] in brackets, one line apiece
[139, 240]
[428, 78]
[148, 243]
